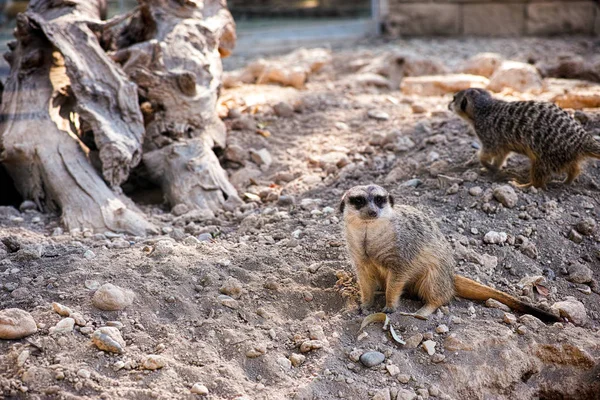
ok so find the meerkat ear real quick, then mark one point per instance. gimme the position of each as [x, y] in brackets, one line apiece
[463, 104]
[391, 200]
[342, 205]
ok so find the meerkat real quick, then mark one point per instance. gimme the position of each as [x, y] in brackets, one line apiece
[401, 250]
[545, 133]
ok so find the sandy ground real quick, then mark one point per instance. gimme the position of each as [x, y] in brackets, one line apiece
[234, 310]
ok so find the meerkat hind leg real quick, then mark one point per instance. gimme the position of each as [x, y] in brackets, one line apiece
[573, 172]
[486, 159]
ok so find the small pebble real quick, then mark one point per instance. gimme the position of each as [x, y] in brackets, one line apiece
[441, 329]
[153, 361]
[109, 339]
[509, 318]
[429, 347]
[200, 389]
[297, 359]
[378, 115]
[475, 191]
[84, 373]
[372, 358]
[65, 325]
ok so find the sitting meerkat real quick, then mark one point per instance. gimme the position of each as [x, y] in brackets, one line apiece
[401, 250]
[553, 140]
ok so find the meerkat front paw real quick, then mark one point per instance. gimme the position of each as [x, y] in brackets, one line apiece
[388, 310]
[365, 307]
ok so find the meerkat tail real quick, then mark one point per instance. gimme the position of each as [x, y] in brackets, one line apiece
[469, 289]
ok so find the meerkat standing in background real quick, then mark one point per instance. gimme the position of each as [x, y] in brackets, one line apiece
[402, 250]
[553, 140]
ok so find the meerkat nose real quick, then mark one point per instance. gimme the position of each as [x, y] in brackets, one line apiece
[372, 213]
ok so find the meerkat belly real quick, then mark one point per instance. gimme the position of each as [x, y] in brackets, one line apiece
[373, 244]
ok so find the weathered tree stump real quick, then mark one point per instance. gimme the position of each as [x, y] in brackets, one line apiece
[87, 100]
[44, 157]
[172, 50]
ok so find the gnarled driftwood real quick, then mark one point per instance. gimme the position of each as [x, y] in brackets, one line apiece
[44, 157]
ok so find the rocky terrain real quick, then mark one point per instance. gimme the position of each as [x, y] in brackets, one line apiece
[260, 302]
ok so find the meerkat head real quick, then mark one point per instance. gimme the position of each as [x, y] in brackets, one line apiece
[366, 203]
[465, 103]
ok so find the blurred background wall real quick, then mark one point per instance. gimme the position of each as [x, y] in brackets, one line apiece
[491, 17]
[265, 26]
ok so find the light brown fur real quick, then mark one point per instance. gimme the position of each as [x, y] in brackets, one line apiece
[401, 250]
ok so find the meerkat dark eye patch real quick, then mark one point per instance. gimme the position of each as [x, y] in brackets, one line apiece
[358, 201]
[463, 104]
[380, 201]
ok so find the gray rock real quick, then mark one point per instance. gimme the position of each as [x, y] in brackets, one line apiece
[205, 237]
[412, 183]
[414, 341]
[382, 394]
[297, 359]
[65, 325]
[406, 394]
[27, 205]
[236, 154]
[493, 237]
[575, 236]
[586, 226]
[261, 157]
[506, 195]
[579, 273]
[109, 339]
[153, 361]
[378, 115]
[372, 358]
[286, 201]
[180, 209]
[496, 304]
[283, 109]
[475, 191]
[232, 287]
[572, 309]
[112, 298]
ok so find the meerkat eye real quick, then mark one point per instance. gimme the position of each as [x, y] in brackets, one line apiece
[358, 202]
[380, 201]
[463, 104]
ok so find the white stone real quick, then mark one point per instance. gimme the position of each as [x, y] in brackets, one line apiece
[429, 347]
[493, 237]
[200, 389]
[65, 325]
